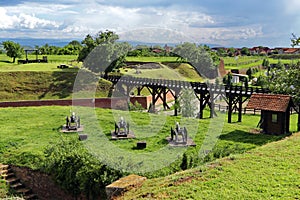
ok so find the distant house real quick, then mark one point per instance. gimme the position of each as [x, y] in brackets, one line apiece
[275, 115]
[292, 51]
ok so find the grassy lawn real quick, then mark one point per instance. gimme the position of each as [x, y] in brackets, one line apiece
[171, 71]
[53, 62]
[151, 59]
[267, 172]
[26, 131]
[242, 62]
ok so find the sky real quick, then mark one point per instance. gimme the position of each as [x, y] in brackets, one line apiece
[228, 23]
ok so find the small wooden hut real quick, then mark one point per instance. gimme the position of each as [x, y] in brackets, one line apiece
[275, 112]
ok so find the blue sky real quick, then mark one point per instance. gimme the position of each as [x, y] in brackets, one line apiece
[230, 23]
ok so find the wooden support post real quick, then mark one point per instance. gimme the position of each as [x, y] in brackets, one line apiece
[139, 89]
[202, 96]
[229, 108]
[176, 105]
[240, 108]
[212, 105]
[164, 91]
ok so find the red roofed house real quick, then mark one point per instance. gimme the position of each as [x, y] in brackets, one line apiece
[275, 112]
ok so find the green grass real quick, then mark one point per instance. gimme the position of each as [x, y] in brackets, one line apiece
[27, 131]
[169, 71]
[31, 85]
[152, 59]
[53, 61]
[3, 189]
[243, 62]
[267, 172]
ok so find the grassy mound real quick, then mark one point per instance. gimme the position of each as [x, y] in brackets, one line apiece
[267, 172]
[30, 85]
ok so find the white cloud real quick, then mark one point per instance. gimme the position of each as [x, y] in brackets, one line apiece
[32, 22]
[22, 20]
[149, 24]
[6, 21]
[292, 6]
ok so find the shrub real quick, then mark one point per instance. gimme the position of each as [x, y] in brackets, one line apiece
[76, 170]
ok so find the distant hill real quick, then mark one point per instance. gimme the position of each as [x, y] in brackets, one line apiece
[32, 42]
[135, 43]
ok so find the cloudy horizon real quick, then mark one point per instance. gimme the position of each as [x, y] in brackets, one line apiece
[226, 23]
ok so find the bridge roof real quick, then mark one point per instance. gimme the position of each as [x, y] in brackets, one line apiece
[269, 102]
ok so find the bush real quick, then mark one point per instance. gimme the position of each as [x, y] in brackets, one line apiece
[136, 106]
[76, 170]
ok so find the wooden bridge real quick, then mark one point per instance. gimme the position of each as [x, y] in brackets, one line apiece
[206, 93]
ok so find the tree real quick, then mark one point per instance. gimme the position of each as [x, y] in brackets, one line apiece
[106, 57]
[231, 52]
[90, 42]
[245, 51]
[187, 101]
[13, 50]
[198, 57]
[286, 81]
[295, 40]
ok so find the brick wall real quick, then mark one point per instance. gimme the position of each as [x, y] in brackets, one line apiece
[116, 103]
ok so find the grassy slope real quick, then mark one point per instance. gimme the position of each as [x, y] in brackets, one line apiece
[30, 85]
[267, 172]
[171, 71]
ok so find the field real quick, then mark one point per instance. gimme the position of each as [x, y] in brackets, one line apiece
[245, 62]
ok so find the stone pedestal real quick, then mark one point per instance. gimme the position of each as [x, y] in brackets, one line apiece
[123, 184]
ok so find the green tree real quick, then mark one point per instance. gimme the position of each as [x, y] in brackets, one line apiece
[286, 81]
[90, 42]
[187, 102]
[231, 52]
[106, 57]
[295, 40]
[245, 51]
[198, 57]
[13, 50]
[221, 52]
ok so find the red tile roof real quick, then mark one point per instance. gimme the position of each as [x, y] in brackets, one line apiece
[269, 102]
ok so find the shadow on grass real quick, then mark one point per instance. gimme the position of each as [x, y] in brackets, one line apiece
[251, 138]
[5, 61]
[62, 85]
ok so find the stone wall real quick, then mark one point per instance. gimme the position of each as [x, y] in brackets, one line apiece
[42, 184]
